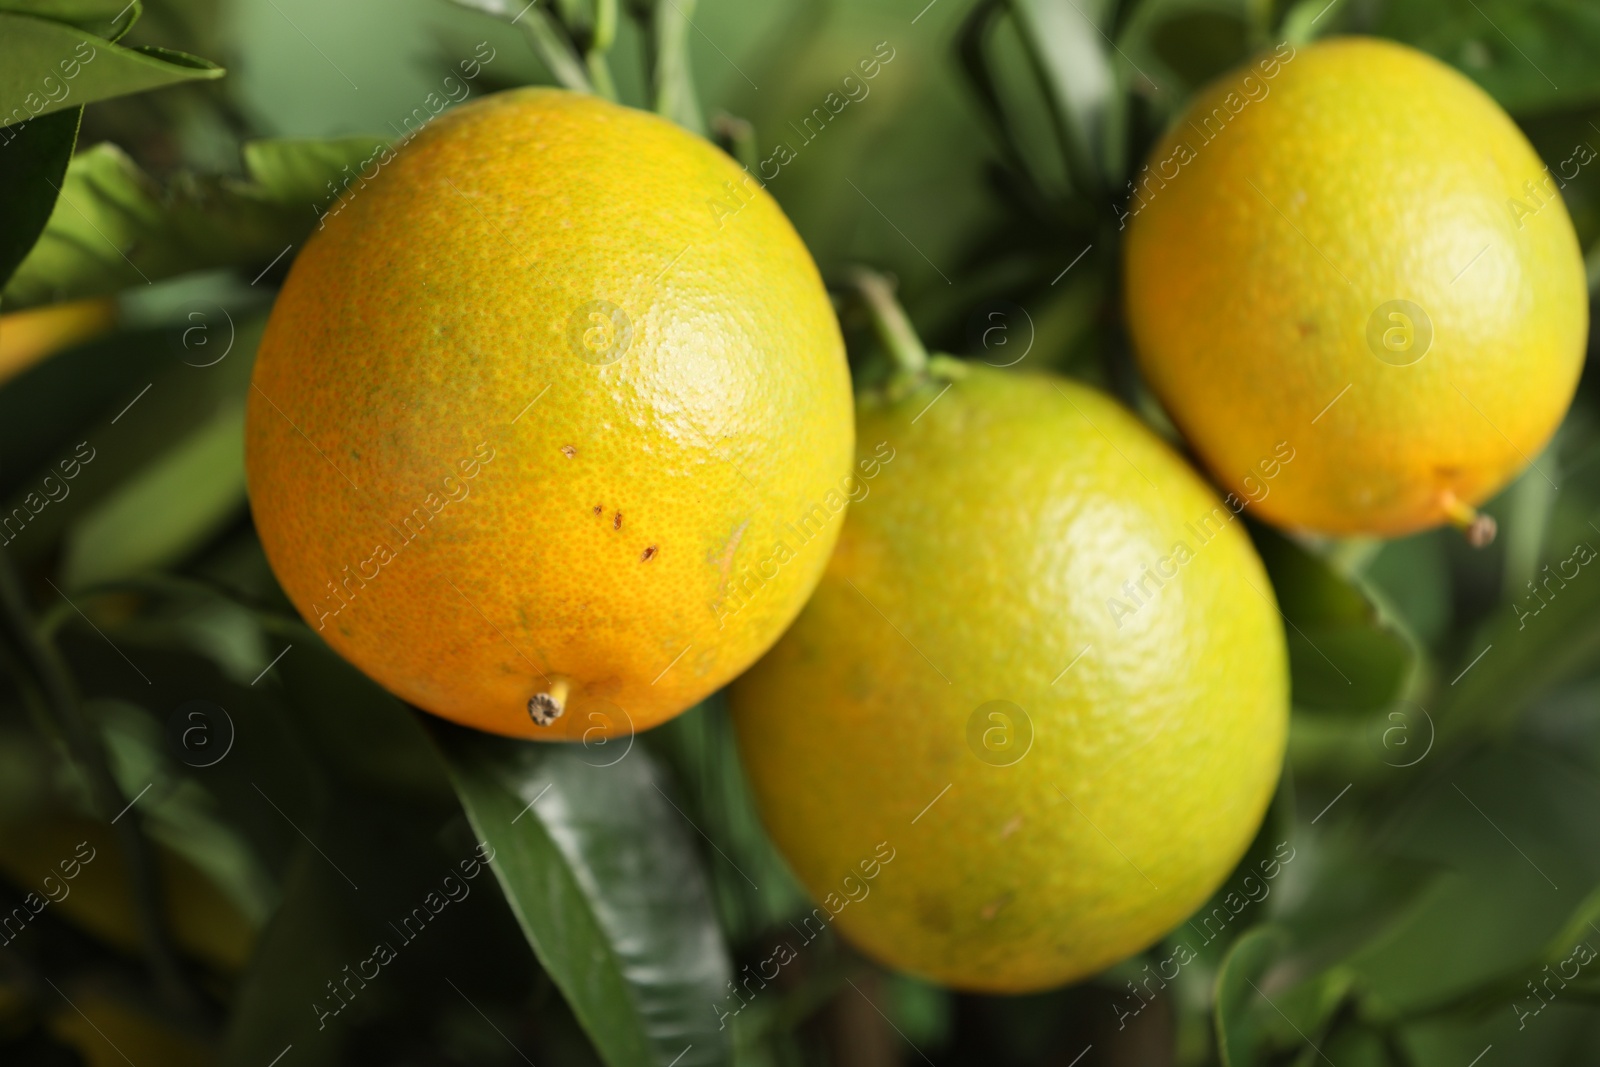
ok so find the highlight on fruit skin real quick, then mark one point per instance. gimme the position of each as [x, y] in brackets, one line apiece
[1351, 247]
[550, 427]
[1038, 703]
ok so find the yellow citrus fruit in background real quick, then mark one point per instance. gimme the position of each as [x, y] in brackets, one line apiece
[1043, 673]
[556, 400]
[26, 337]
[1351, 248]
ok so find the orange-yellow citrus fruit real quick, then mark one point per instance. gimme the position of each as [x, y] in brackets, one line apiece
[1037, 706]
[1351, 248]
[554, 409]
[26, 337]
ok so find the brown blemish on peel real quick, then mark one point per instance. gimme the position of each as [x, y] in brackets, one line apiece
[648, 554]
[616, 523]
[598, 508]
[568, 451]
[991, 909]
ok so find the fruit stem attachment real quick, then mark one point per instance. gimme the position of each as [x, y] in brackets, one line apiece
[889, 321]
[1478, 527]
[545, 708]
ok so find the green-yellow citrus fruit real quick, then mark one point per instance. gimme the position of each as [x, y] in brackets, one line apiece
[1351, 248]
[538, 414]
[1043, 675]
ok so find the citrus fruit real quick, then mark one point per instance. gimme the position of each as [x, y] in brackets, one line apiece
[553, 412]
[26, 337]
[1036, 708]
[1350, 248]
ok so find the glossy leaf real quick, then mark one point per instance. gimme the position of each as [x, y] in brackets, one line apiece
[700, 748]
[1510, 835]
[600, 871]
[103, 18]
[50, 66]
[1239, 1034]
[1344, 653]
[36, 158]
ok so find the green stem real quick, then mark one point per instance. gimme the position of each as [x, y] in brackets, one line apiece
[605, 26]
[600, 76]
[674, 78]
[549, 42]
[738, 139]
[605, 34]
[889, 321]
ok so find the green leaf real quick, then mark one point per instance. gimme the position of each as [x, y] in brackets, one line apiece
[36, 164]
[599, 869]
[1343, 652]
[1517, 850]
[1239, 1033]
[182, 814]
[1529, 648]
[146, 413]
[114, 227]
[167, 511]
[700, 748]
[306, 943]
[103, 18]
[1067, 43]
[50, 66]
[296, 172]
